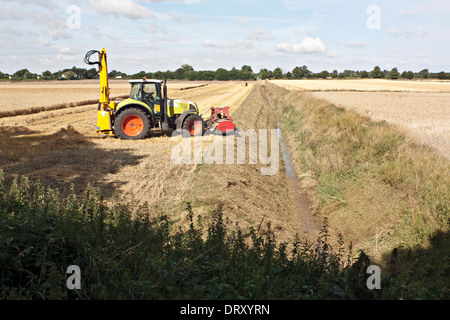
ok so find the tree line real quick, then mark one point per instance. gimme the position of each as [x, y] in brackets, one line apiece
[245, 73]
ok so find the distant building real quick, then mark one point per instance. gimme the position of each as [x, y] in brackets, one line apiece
[69, 75]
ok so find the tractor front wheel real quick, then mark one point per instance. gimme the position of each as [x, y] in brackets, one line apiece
[132, 124]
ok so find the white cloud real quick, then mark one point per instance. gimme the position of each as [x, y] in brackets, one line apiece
[355, 44]
[241, 21]
[65, 50]
[209, 43]
[257, 33]
[58, 34]
[45, 61]
[404, 13]
[307, 45]
[421, 55]
[175, 16]
[245, 43]
[42, 42]
[64, 58]
[397, 32]
[126, 8]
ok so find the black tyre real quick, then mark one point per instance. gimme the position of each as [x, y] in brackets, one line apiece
[194, 124]
[132, 124]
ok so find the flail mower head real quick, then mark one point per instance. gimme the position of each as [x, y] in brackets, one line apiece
[220, 121]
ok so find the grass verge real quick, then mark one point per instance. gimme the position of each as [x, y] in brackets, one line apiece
[135, 254]
[387, 194]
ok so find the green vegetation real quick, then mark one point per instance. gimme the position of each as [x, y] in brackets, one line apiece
[128, 253]
[187, 72]
[394, 74]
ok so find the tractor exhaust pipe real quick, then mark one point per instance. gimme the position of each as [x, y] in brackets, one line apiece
[165, 122]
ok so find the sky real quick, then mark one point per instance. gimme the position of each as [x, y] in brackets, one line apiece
[160, 35]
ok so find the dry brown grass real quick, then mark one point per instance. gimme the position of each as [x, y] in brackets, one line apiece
[419, 108]
[423, 116]
[60, 147]
[365, 85]
[379, 188]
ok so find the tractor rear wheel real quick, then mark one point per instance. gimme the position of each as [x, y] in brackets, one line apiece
[194, 124]
[132, 124]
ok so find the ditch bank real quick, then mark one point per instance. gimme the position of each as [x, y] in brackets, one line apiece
[249, 198]
[383, 192]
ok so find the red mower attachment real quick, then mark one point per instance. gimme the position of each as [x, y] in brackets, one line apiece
[220, 120]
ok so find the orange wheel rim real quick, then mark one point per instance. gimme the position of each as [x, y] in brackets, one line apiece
[195, 127]
[132, 125]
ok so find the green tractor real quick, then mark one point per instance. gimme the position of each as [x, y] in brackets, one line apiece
[149, 107]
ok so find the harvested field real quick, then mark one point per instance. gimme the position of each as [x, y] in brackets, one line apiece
[421, 109]
[61, 148]
[28, 95]
[365, 85]
[424, 116]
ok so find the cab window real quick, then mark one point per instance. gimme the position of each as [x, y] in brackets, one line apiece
[135, 91]
[150, 92]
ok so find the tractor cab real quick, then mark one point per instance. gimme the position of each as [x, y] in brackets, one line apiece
[148, 92]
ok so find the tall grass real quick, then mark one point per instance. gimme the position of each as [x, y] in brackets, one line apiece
[379, 188]
[127, 252]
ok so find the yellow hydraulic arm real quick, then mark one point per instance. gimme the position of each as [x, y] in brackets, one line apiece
[106, 108]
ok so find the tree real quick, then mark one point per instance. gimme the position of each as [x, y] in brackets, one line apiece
[23, 74]
[263, 74]
[407, 75]
[179, 74]
[394, 74]
[377, 73]
[4, 75]
[277, 73]
[138, 75]
[221, 74]
[187, 68]
[364, 74]
[335, 74]
[324, 74]
[424, 74]
[204, 75]
[442, 75]
[246, 68]
[300, 72]
[47, 75]
[246, 73]
[297, 73]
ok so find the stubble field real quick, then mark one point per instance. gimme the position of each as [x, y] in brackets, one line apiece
[421, 109]
[61, 148]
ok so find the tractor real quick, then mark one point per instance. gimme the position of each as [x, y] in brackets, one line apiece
[148, 107]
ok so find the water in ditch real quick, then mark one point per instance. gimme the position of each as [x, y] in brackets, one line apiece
[309, 223]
